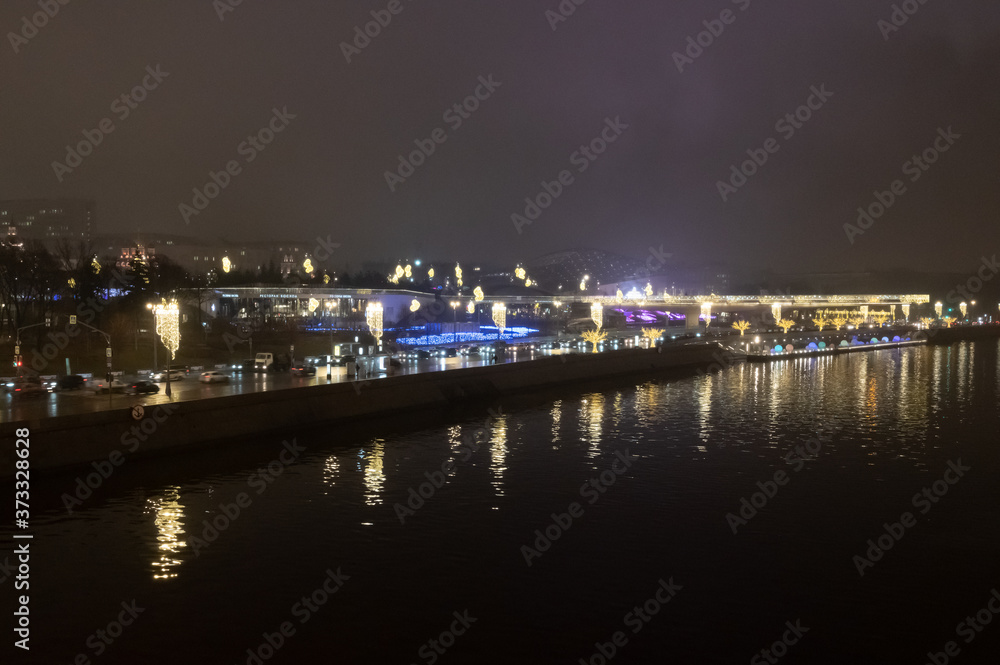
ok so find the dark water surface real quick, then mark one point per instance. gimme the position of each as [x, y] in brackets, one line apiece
[889, 423]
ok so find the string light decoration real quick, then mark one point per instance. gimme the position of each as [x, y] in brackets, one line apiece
[408, 271]
[167, 325]
[965, 309]
[226, 264]
[326, 279]
[500, 316]
[864, 312]
[307, 266]
[96, 265]
[597, 314]
[313, 305]
[528, 282]
[471, 307]
[373, 316]
[458, 274]
[619, 296]
[520, 273]
[72, 283]
[706, 312]
[478, 293]
[938, 308]
[430, 274]
[414, 305]
[892, 313]
[649, 290]
[906, 312]
[776, 311]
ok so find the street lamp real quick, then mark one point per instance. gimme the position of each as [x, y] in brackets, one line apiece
[500, 318]
[166, 316]
[454, 320]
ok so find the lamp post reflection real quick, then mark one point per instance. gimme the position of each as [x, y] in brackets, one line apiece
[169, 525]
[372, 468]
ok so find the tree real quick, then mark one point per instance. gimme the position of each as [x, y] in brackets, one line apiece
[881, 317]
[652, 334]
[821, 322]
[927, 321]
[594, 337]
[839, 321]
[856, 319]
[742, 326]
[785, 324]
[948, 320]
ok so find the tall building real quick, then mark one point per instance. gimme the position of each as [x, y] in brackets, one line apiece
[48, 219]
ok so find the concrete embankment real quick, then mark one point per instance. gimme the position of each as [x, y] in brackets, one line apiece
[123, 433]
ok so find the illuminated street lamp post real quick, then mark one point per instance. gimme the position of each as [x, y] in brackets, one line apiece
[500, 318]
[168, 328]
[454, 320]
[373, 315]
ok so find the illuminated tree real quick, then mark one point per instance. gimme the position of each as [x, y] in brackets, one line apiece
[856, 319]
[785, 324]
[927, 321]
[373, 317]
[948, 320]
[652, 334]
[594, 337]
[880, 317]
[839, 321]
[821, 322]
[742, 326]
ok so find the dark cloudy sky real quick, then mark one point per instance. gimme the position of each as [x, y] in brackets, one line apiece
[655, 186]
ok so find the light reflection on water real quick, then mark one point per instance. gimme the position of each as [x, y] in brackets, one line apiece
[170, 536]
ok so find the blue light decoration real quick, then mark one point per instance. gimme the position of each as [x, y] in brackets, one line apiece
[896, 339]
[885, 340]
[813, 346]
[778, 349]
[486, 334]
[822, 345]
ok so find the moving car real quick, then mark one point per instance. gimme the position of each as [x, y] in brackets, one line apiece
[101, 385]
[175, 375]
[213, 376]
[27, 385]
[304, 370]
[72, 382]
[141, 388]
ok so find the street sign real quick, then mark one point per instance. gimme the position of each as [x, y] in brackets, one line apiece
[72, 319]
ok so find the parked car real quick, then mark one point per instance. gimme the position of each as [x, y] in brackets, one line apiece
[213, 376]
[175, 375]
[141, 388]
[304, 370]
[72, 382]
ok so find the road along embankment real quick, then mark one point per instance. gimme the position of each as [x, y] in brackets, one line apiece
[117, 434]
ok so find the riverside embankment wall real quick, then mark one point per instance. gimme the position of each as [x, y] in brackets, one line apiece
[82, 438]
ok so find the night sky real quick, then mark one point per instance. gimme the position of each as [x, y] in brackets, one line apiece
[324, 174]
